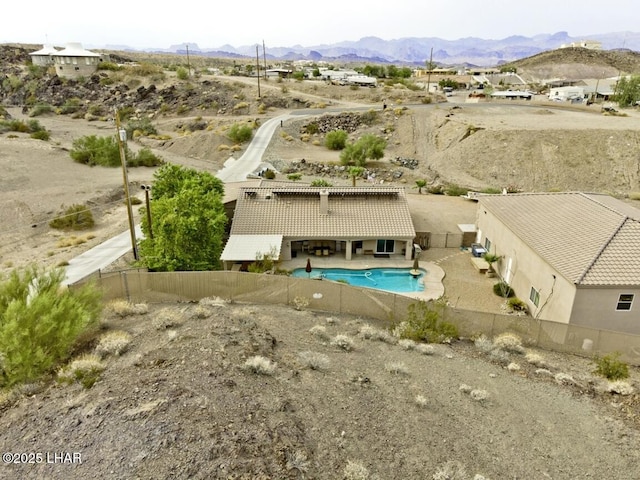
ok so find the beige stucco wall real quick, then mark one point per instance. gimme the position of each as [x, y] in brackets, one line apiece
[74, 67]
[596, 308]
[524, 269]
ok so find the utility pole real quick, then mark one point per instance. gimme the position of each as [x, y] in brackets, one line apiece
[188, 61]
[122, 137]
[258, 69]
[264, 56]
[429, 72]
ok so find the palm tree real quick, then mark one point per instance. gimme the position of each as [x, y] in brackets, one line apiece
[491, 258]
[354, 173]
[420, 184]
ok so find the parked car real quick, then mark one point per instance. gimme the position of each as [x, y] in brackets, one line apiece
[477, 250]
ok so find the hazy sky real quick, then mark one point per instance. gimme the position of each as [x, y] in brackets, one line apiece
[286, 23]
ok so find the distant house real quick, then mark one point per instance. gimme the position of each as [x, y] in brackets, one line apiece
[74, 61]
[574, 258]
[566, 94]
[44, 56]
[296, 220]
[512, 95]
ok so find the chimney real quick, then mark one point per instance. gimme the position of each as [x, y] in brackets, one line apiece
[324, 202]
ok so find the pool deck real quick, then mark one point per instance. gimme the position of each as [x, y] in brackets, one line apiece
[433, 287]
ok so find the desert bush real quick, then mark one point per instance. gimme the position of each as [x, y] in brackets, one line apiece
[564, 379]
[321, 182]
[182, 73]
[343, 342]
[93, 150]
[513, 367]
[71, 105]
[111, 66]
[425, 349]
[75, 217]
[213, 302]
[355, 471]
[450, 471]
[40, 135]
[167, 318]
[311, 128]
[535, 359]
[145, 69]
[620, 387]
[634, 196]
[313, 360]
[503, 289]
[396, 368]
[240, 133]
[113, 343]
[500, 356]
[294, 177]
[371, 333]
[140, 127]
[421, 401]
[423, 324]
[483, 343]
[509, 342]
[40, 109]
[407, 344]
[40, 322]
[85, 370]
[260, 365]
[336, 140]
[611, 368]
[269, 174]
[319, 331]
[517, 305]
[300, 302]
[297, 461]
[455, 190]
[144, 158]
[123, 308]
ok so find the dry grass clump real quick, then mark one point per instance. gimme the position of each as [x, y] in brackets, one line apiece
[407, 344]
[113, 343]
[465, 388]
[297, 461]
[536, 360]
[396, 368]
[371, 333]
[450, 471]
[509, 342]
[564, 379]
[484, 344]
[300, 302]
[513, 367]
[319, 331]
[343, 342]
[260, 365]
[421, 401]
[123, 308]
[213, 302]
[201, 312]
[425, 349]
[313, 360]
[167, 318]
[85, 370]
[620, 387]
[355, 471]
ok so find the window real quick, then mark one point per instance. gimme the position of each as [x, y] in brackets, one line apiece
[487, 245]
[624, 301]
[385, 246]
[534, 296]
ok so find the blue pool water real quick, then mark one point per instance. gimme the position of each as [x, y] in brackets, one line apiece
[389, 279]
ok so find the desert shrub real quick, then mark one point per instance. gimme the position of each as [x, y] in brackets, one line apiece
[343, 342]
[319, 331]
[355, 471]
[509, 342]
[423, 324]
[41, 135]
[140, 126]
[260, 365]
[300, 302]
[620, 387]
[93, 150]
[167, 318]
[311, 128]
[182, 73]
[85, 370]
[516, 304]
[634, 196]
[123, 308]
[425, 349]
[500, 356]
[145, 158]
[611, 368]
[297, 461]
[320, 182]
[240, 133]
[407, 344]
[71, 105]
[483, 343]
[450, 471]
[455, 190]
[313, 360]
[535, 359]
[269, 174]
[110, 66]
[371, 333]
[40, 109]
[421, 401]
[113, 343]
[40, 322]
[75, 217]
[144, 69]
[294, 177]
[336, 140]
[503, 289]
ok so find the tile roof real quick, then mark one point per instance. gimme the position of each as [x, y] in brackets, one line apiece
[590, 239]
[295, 211]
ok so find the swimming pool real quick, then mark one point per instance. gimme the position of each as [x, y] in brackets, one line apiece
[397, 280]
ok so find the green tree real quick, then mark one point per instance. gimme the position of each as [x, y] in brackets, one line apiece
[369, 146]
[354, 173]
[628, 91]
[336, 139]
[240, 132]
[40, 322]
[93, 150]
[188, 221]
[298, 75]
[420, 184]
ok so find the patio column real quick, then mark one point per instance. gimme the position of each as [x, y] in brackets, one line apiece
[347, 253]
[408, 250]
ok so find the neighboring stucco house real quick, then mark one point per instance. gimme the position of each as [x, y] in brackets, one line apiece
[287, 221]
[74, 61]
[44, 56]
[573, 257]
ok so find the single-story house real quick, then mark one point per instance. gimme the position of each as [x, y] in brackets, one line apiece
[566, 94]
[74, 61]
[286, 221]
[43, 57]
[574, 258]
[512, 95]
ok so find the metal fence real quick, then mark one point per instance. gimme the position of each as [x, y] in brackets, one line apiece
[154, 287]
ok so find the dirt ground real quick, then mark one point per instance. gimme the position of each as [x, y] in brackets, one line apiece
[179, 404]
